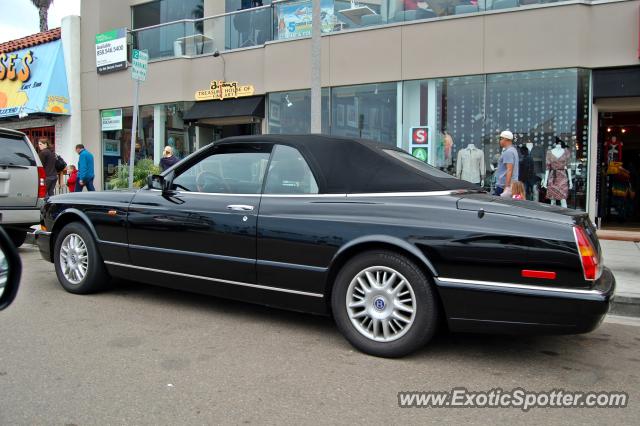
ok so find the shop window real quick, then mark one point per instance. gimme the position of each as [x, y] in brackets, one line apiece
[544, 109]
[366, 111]
[158, 126]
[290, 112]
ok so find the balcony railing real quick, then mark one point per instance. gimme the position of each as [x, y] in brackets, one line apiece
[291, 19]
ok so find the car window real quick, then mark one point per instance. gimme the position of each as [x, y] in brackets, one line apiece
[226, 171]
[289, 173]
[14, 151]
[412, 161]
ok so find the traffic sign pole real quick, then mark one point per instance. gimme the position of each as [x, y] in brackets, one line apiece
[134, 130]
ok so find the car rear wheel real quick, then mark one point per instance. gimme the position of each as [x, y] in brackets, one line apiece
[79, 266]
[17, 236]
[384, 304]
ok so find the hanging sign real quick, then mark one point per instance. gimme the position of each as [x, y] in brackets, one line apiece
[419, 143]
[220, 90]
[111, 119]
[111, 51]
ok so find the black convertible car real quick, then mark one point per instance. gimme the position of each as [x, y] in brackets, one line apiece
[383, 242]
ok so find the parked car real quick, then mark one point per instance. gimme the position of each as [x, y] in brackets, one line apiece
[22, 185]
[365, 232]
[10, 270]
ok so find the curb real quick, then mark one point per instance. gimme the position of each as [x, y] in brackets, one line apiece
[626, 305]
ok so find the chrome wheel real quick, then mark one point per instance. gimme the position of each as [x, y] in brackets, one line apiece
[381, 304]
[74, 258]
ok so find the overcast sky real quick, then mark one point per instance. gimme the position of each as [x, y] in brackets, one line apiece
[19, 18]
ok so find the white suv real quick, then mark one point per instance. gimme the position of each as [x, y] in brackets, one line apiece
[22, 185]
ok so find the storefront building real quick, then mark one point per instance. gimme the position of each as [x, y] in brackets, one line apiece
[440, 82]
[40, 88]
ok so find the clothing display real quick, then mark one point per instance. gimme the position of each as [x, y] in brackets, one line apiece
[613, 149]
[470, 164]
[558, 181]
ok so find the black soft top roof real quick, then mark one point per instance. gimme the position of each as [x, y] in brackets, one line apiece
[344, 165]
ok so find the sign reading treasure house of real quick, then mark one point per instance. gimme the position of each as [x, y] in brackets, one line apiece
[220, 90]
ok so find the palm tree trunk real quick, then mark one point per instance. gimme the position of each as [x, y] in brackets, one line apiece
[44, 15]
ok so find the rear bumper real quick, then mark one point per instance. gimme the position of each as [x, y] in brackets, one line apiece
[43, 240]
[23, 218]
[475, 306]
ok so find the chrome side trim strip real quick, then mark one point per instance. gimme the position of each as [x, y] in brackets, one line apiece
[408, 194]
[292, 266]
[455, 281]
[199, 277]
[113, 243]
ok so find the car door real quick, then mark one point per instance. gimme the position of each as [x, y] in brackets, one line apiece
[204, 225]
[296, 239]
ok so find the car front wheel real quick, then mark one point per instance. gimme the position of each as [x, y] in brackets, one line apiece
[78, 263]
[384, 304]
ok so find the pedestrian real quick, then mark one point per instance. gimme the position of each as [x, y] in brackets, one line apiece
[48, 159]
[525, 172]
[517, 190]
[73, 178]
[168, 159]
[508, 164]
[85, 169]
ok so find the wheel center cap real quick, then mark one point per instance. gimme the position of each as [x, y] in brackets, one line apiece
[379, 304]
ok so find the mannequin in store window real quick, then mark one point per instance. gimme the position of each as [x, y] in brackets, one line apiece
[470, 165]
[557, 178]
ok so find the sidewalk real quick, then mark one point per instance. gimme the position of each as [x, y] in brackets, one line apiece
[623, 258]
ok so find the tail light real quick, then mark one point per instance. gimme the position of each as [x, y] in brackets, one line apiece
[588, 254]
[42, 187]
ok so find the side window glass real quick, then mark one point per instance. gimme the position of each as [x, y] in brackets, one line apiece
[225, 173]
[289, 173]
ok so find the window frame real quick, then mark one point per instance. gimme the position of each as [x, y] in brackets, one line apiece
[307, 163]
[173, 174]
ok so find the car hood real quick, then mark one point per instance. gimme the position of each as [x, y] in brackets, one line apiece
[520, 208]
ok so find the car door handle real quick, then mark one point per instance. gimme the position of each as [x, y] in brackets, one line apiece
[240, 208]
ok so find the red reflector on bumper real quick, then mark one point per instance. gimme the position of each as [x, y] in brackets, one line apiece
[546, 275]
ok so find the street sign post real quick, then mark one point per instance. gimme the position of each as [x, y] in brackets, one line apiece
[139, 63]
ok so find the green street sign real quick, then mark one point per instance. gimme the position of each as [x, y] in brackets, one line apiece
[139, 64]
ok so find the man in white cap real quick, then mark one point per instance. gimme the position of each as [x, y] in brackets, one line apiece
[508, 165]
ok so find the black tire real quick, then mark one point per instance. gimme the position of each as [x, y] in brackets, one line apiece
[96, 277]
[17, 236]
[425, 318]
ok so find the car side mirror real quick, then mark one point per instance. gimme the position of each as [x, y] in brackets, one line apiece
[156, 182]
[10, 270]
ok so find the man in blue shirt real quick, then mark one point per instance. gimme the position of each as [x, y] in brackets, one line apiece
[85, 169]
[508, 165]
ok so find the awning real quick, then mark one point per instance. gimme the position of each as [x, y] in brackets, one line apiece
[36, 84]
[242, 107]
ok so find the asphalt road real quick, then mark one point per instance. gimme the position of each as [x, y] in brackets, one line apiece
[144, 355]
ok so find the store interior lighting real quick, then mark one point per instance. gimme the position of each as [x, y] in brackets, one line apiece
[289, 103]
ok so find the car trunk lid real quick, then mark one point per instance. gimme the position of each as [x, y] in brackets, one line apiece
[521, 208]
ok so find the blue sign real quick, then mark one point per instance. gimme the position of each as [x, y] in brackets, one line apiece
[34, 80]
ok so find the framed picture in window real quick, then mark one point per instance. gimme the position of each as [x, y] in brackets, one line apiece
[111, 148]
[340, 115]
[274, 110]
